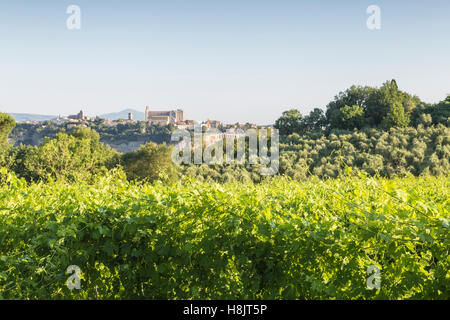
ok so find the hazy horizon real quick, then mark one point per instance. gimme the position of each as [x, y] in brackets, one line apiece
[233, 61]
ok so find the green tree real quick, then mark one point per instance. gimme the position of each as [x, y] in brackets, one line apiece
[389, 107]
[353, 96]
[80, 132]
[150, 163]
[348, 117]
[7, 156]
[315, 121]
[378, 104]
[396, 117]
[7, 123]
[425, 119]
[381, 107]
[440, 112]
[68, 158]
[289, 122]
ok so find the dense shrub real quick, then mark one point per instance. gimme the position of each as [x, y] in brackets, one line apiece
[396, 152]
[150, 163]
[67, 157]
[311, 240]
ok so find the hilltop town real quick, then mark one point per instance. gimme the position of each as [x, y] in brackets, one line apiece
[175, 118]
[128, 134]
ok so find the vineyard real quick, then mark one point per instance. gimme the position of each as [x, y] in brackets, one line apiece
[279, 239]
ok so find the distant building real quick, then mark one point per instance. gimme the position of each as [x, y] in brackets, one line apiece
[110, 123]
[163, 120]
[229, 135]
[79, 116]
[180, 116]
[164, 117]
[241, 126]
[187, 124]
[212, 124]
[130, 116]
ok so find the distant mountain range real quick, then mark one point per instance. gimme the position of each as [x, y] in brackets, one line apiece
[22, 117]
[137, 115]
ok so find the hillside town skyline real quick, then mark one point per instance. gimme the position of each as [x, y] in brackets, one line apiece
[163, 121]
[161, 116]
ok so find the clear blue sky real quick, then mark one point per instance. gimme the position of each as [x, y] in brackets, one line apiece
[230, 60]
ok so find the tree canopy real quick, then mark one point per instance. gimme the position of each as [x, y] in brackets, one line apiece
[7, 123]
[149, 163]
[361, 107]
[289, 122]
[292, 121]
[68, 157]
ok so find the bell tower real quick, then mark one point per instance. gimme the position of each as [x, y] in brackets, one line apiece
[147, 110]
